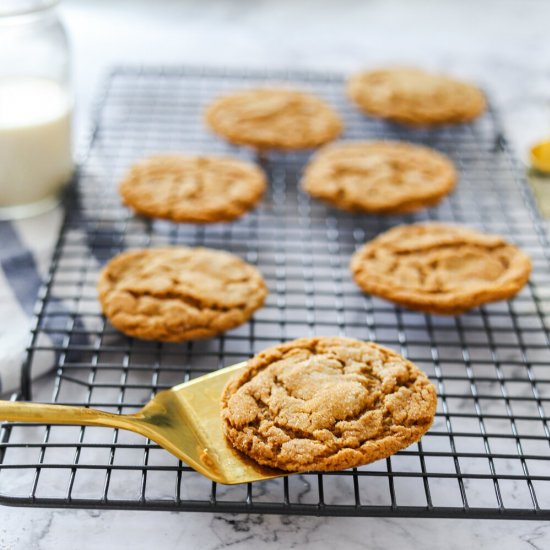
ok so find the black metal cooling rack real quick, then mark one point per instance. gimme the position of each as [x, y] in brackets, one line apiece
[487, 455]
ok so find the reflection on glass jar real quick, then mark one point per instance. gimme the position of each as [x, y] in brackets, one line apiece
[35, 107]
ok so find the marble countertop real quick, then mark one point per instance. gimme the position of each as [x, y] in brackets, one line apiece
[502, 45]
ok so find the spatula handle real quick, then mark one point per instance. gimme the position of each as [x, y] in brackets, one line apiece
[45, 413]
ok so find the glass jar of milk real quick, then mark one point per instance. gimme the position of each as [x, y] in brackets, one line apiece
[35, 107]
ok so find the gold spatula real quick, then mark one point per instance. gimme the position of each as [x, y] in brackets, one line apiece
[184, 420]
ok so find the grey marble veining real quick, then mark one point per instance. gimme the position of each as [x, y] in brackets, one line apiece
[114, 530]
[502, 45]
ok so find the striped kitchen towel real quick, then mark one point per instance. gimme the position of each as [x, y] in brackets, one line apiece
[25, 252]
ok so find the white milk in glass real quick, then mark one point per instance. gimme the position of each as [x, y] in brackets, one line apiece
[35, 142]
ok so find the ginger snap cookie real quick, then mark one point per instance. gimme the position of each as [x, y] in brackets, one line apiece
[415, 96]
[274, 118]
[179, 293]
[383, 177]
[438, 268]
[195, 189]
[326, 404]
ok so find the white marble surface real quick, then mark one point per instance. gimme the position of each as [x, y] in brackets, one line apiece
[89, 530]
[503, 45]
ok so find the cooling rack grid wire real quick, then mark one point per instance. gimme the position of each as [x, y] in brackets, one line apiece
[488, 453]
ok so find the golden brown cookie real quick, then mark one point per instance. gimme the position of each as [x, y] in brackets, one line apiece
[273, 118]
[383, 177]
[192, 188]
[414, 96]
[326, 404]
[179, 293]
[439, 268]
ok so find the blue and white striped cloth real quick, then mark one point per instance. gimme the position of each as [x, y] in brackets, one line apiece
[26, 247]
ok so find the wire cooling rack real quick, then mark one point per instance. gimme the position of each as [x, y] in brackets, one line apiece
[488, 453]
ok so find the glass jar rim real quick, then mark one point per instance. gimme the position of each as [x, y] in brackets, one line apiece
[17, 7]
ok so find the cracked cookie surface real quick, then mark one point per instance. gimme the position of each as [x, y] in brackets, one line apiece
[194, 189]
[379, 176]
[326, 403]
[274, 118]
[179, 293]
[438, 268]
[414, 96]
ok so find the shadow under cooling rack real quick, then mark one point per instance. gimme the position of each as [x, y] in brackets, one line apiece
[488, 453]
